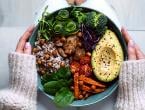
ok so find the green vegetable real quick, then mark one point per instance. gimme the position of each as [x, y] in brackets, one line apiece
[44, 78]
[101, 30]
[62, 15]
[70, 27]
[91, 20]
[58, 27]
[57, 84]
[53, 86]
[97, 22]
[78, 15]
[63, 97]
[62, 73]
[45, 25]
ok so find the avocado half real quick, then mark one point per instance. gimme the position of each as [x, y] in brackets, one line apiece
[107, 57]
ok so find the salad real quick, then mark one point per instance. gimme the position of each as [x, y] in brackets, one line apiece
[78, 55]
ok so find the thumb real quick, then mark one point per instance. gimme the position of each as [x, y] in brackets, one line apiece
[28, 48]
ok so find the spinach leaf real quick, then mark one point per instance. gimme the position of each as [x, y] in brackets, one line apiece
[44, 78]
[62, 73]
[63, 97]
[53, 86]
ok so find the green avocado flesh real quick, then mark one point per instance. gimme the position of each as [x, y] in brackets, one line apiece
[107, 57]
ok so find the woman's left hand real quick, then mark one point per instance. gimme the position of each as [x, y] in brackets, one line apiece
[134, 51]
[23, 46]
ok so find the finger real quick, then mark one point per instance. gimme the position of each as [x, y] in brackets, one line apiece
[78, 2]
[131, 51]
[126, 35]
[28, 48]
[71, 2]
[23, 39]
[139, 53]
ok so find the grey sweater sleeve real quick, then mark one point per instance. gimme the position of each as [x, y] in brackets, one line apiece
[131, 92]
[21, 95]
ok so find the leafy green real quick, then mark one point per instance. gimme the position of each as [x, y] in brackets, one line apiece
[65, 27]
[63, 97]
[70, 27]
[58, 27]
[62, 15]
[45, 25]
[62, 73]
[78, 15]
[53, 86]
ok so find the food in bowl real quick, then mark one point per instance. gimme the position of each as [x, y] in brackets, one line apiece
[107, 57]
[77, 53]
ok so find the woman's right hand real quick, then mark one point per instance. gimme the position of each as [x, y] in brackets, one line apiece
[23, 46]
[134, 51]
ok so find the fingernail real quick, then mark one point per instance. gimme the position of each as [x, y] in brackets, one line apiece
[131, 43]
[27, 45]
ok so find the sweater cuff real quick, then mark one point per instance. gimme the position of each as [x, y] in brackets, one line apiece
[23, 75]
[132, 72]
[131, 86]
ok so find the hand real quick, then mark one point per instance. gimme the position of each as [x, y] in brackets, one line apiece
[134, 51]
[23, 46]
[77, 2]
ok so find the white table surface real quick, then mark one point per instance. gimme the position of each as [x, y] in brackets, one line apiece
[131, 13]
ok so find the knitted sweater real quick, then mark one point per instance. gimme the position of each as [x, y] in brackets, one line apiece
[22, 91]
[21, 95]
[131, 92]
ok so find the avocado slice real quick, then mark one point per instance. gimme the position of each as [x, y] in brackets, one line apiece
[107, 57]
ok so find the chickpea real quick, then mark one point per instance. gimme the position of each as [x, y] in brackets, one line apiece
[79, 34]
[62, 64]
[35, 50]
[39, 62]
[49, 64]
[63, 39]
[93, 87]
[81, 96]
[47, 56]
